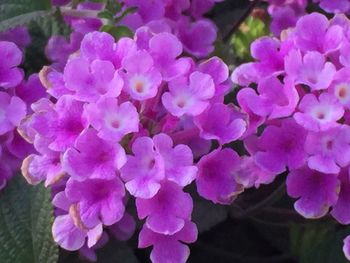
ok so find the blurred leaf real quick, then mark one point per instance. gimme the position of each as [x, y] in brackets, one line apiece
[106, 14]
[19, 12]
[207, 215]
[25, 224]
[117, 31]
[250, 30]
[318, 242]
[41, 30]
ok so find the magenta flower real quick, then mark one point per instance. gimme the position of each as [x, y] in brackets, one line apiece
[316, 192]
[12, 111]
[98, 200]
[90, 81]
[329, 150]
[60, 123]
[178, 160]
[191, 99]
[275, 100]
[319, 114]
[341, 210]
[170, 248]
[346, 247]
[112, 121]
[163, 212]
[215, 180]
[93, 157]
[97, 45]
[166, 60]
[221, 122]
[311, 70]
[340, 87]
[10, 58]
[280, 147]
[143, 171]
[313, 33]
[197, 37]
[141, 79]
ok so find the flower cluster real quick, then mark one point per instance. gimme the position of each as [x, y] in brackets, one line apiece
[285, 13]
[183, 18]
[15, 95]
[128, 119]
[298, 90]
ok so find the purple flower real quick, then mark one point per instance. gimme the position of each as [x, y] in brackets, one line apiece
[335, 6]
[191, 99]
[178, 160]
[163, 212]
[340, 87]
[280, 147]
[92, 80]
[319, 114]
[141, 79]
[10, 58]
[61, 123]
[313, 33]
[311, 70]
[12, 111]
[329, 150]
[98, 200]
[165, 60]
[93, 157]
[275, 100]
[346, 247]
[112, 121]
[215, 180]
[316, 192]
[341, 210]
[221, 122]
[18, 35]
[169, 248]
[143, 171]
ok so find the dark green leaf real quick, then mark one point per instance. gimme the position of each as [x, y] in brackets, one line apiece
[117, 31]
[17, 12]
[106, 14]
[25, 224]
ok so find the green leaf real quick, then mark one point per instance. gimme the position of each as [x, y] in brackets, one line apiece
[106, 14]
[117, 31]
[25, 224]
[41, 30]
[18, 12]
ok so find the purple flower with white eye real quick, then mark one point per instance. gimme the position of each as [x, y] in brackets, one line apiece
[275, 100]
[93, 157]
[320, 113]
[178, 160]
[221, 122]
[165, 60]
[163, 212]
[316, 192]
[280, 147]
[170, 248]
[112, 121]
[215, 180]
[60, 123]
[328, 150]
[341, 210]
[12, 111]
[189, 98]
[90, 81]
[141, 79]
[144, 170]
[311, 69]
[98, 200]
[340, 87]
[10, 58]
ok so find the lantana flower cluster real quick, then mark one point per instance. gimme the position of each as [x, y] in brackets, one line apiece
[126, 120]
[297, 96]
[183, 18]
[285, 13]
[15, 95]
